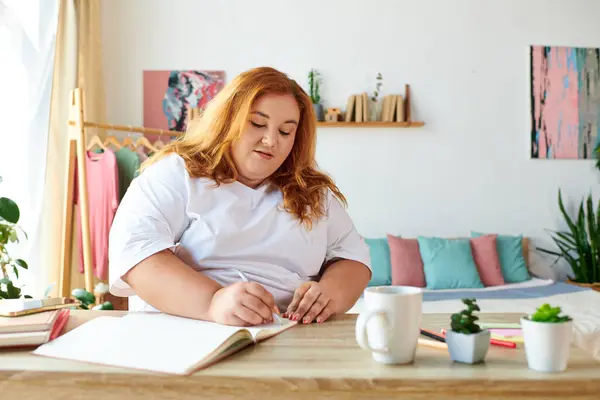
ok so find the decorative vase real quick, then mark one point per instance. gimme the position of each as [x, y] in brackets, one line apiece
[318, 108]
[547, 344]
[374, 111]
[468, 348]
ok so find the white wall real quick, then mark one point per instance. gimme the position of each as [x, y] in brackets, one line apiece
[466, 62]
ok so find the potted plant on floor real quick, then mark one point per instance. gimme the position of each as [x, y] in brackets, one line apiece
[580, 244]
[467, 342]
[547, 339]
[9, 267]
[314, 82]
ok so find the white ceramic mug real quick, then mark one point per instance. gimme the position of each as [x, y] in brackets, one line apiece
[389, 325]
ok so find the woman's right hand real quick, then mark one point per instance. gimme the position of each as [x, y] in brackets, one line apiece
[242, 304]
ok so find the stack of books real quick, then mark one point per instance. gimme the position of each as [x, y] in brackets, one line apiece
[34, 329]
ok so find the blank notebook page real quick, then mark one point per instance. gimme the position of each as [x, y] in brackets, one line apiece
[158, 342]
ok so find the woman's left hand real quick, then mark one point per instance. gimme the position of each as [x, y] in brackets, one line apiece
[310, 303]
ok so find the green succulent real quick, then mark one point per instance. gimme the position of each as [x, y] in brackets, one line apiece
[465, 321]
[546, 313]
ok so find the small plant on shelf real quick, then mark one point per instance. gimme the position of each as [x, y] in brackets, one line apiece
[547, 338]
[378, 83]
[467, 342]
[375, 98]
[314, 82]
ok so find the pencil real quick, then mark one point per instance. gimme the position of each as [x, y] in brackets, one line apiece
[496, 342]
[513, 339]
[432, 343]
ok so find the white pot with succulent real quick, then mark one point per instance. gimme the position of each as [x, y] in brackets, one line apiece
[467, 342]
[547, 339]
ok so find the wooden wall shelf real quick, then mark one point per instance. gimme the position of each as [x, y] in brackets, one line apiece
[371, 124]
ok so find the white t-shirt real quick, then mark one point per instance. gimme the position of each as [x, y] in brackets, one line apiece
[218, 229]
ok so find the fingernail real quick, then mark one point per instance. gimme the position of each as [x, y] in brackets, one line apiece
[306, 320]
[319, 320]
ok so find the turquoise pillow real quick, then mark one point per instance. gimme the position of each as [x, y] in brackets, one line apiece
[510, 253]
[381, 264]
[448, 263]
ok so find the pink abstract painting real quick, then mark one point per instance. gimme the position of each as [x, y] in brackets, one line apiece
[168, 96]
[565, 102]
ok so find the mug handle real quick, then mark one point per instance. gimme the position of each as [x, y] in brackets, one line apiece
[361, 330]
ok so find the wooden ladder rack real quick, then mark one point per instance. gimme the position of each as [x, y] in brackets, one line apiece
[77, 154]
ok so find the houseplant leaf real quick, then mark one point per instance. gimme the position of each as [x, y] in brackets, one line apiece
[594, 234]
[567, 237]
[568, 220]
[9, 210]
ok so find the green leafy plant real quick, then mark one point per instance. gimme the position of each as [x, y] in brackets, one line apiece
[546, 313]
[580, 245]
[9, 267]
[378, 83]
[88, 299]
[314, 81]
[465, 321]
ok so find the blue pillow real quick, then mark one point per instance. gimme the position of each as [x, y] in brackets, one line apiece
[510, 253]
[448, 263]
[381, 264]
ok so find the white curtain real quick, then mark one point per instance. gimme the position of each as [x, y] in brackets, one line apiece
[27, 45]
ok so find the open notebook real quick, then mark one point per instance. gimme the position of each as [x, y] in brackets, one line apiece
[156, 342]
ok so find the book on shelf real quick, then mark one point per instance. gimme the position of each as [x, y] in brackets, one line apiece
[156, 342]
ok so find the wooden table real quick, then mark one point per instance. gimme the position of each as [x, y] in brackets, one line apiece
[318, 361]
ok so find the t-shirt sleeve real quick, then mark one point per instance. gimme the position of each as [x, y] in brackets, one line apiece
[151, 217]
[343, 240]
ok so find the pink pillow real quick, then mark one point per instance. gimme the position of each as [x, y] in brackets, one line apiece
[485, 255]
[407, 266]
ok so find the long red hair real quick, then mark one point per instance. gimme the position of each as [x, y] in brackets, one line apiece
[206, 145]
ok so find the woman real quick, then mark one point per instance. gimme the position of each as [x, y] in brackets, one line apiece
[240, 195]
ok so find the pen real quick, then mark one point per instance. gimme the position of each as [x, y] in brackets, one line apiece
[432, 335]
[276, 317]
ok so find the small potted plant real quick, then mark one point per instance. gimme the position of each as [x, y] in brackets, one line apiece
[88, 300]
[467, 342]
[375, 98]
[547, 339]
[314, 81]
